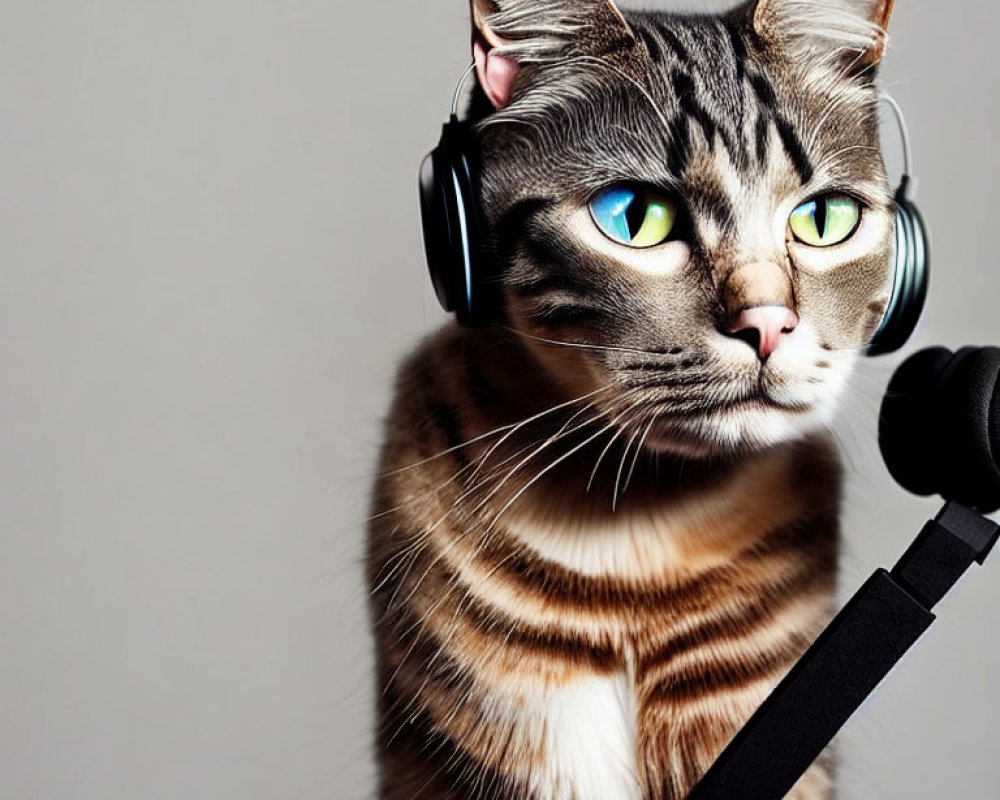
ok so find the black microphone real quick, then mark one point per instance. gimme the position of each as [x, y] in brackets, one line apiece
[939, 427]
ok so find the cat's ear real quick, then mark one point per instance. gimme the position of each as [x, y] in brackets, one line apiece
[509, 34]
[496, 72]
[853, 27]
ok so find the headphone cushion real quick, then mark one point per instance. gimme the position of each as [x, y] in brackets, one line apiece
[437, 220]
[451, 224]
[910, 278]
[939, 426]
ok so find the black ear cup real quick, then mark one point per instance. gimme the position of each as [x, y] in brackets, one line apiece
[939, 428]
[910, 277]
[452, 226]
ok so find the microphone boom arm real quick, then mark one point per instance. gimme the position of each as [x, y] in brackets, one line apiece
[847, 661]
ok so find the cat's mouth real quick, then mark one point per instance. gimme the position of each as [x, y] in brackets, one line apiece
[758, 401]
[682, 404]
[751, 421]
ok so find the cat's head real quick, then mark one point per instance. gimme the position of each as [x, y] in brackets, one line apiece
[688, 213]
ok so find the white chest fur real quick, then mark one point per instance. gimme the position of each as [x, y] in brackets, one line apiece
[654, 539]
[589, 741]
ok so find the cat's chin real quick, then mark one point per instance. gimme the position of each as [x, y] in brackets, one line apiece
[740, 429]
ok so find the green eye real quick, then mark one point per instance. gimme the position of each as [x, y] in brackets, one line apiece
[825, 221]
[634, 217]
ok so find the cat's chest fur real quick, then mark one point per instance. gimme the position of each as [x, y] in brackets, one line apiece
[589, 746]
[600, 732]
[651, 541]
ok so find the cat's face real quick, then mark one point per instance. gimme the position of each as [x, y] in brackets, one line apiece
[700, 204]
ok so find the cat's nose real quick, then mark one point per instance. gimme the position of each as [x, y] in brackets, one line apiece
[762, 327]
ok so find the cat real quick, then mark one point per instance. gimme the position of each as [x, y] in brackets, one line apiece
[606, 524]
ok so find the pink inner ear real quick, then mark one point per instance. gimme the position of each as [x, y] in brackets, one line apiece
[496, 74]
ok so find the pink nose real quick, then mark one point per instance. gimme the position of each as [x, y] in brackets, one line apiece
[762, 327]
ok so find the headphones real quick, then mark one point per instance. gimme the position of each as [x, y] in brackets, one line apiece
[464, 282]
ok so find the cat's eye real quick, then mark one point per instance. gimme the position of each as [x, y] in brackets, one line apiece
[634, 216]
[825, 221]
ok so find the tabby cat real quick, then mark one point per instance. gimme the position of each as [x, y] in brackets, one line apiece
[607, 523]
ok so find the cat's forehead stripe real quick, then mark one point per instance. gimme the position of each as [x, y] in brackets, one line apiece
[713, 105]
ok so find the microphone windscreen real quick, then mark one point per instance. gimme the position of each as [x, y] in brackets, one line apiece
[939, 427]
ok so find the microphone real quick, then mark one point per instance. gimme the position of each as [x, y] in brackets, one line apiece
[939, 426]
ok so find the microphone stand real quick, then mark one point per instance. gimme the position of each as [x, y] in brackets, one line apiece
[850, 658]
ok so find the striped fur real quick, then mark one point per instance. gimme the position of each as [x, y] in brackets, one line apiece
[603, 530]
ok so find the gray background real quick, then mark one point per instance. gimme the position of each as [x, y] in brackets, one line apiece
[209, 265]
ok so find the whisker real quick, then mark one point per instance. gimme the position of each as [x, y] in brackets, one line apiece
[510, 428]
[638, 450]
[535, 418]
[555, 437]
[538, 477]
[621, 467]
[493, 492]
[604, 452]
[396, 560]
[581, 345]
